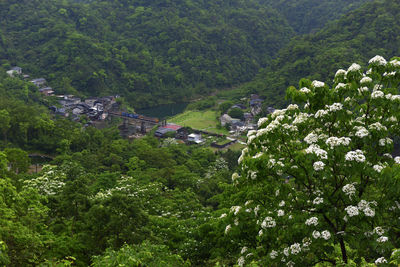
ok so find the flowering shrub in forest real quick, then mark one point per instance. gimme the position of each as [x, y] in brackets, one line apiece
[319, 181]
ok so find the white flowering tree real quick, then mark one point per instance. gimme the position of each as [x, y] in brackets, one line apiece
[319, 183]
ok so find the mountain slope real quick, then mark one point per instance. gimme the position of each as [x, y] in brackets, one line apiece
[150, 52]
[306, 16]
[371, 30]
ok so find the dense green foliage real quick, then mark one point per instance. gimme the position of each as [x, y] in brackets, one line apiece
[361, 34]
[306, 16]
[149, 52]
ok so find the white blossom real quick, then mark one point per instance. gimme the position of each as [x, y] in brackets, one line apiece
[379, 230]
[355, 156]
[319, 165]
[395, 63]
[366, 79]
[228, 228]
[335, 107]
[261, 121]
[273, 254]
[311, 138]
[361, 131]
[382, 239]
[318, 200]
[235, 209]
[305, 90]
[282, 203]
[321, 113]
[319, 152]
[241, 261]
[337, 141]
[381, 260]
[352, 211]
[377, 94]
[268, 223]
[316, 234]
[326, 234]
[295, 248]
[397, 160]
[369, 212]
[340, 86]
[377, 126]
[281, 213]
[244, 249]
[354, 67]
[317, 84]
[361, 90]
[378, 60]
[349, 189]
[312, 221]
[385, 141]
[378, 167]
[340, 72]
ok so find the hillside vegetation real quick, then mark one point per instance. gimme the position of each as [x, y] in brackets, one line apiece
[361, 34]
[149, 52]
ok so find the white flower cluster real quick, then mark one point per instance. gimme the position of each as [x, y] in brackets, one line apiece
[361, 131]
[334, 107]
[268, 222]
[340, 86]
[305, 90]
[312, 221]
[273, 254]
[311, 138]
[300, 118]
[228, 228]
[379, 230]
[377, 94]
[377, 126]
[356, 155]
[378, 60]
[321, 113]
[235, 209]
[340, 72]
[382, 239]
[319, 152]
[338, 141]
[318, 200]
[326, 234]
[395, 63]
[381, 260]
[385, 141]
[361, 90]
[318, 166]
[280, 213]
[261, 121]
[354, 67]
[378, 167]
[352, 211]
[317, 84]
[397, 160]
[365, 80]
[295, 248]
[349, 190]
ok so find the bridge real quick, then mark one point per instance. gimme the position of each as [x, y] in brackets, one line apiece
[137, 119]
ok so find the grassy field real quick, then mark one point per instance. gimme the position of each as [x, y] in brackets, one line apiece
[200, 120]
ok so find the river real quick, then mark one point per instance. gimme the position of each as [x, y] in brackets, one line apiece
[163, 111]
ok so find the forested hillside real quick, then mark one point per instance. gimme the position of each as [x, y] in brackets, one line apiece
[361, 34]
[306, 16]
[149, 52]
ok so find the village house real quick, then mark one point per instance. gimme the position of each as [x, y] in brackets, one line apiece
[195, 138]
[39, 82]
[46, 91]
[14, 71]
[225, 119]
[170, 127]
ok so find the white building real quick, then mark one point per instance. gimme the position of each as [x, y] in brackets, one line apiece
[196, 138]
